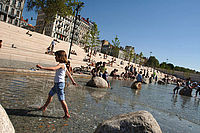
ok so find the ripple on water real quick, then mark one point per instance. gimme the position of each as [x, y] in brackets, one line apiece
[90, 106]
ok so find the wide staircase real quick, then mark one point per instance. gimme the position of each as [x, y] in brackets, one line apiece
[32, 48]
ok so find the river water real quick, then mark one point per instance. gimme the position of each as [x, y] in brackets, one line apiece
[21, 95]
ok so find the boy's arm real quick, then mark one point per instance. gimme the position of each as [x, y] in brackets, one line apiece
[70, 77]
[49, 68]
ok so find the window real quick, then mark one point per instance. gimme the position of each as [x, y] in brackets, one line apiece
[12, 11]
[6, 8]
[17, 13]
[19, 4]
[16, 22]
[1, 6]
[14, 2]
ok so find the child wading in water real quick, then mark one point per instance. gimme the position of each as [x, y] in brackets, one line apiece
[59, 81]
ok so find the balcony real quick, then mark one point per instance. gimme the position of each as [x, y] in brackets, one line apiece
[78, 23]
[59, 25]
[12, 15]
[67, 23]
[3, 12]
[67, 29]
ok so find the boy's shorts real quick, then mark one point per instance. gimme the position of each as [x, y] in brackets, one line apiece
[59, 89]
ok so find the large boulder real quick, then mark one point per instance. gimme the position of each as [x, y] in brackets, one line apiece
[136, 85]
[134, 122]
[97, 82]
[5, 123]
[185, 91]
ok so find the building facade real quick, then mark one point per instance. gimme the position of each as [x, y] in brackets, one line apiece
[62, 27]
[11, 11]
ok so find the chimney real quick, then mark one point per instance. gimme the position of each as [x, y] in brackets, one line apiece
[88, 19]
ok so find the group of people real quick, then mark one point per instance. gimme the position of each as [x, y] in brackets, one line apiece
[188, 85]
[73, 52]
[100, 70]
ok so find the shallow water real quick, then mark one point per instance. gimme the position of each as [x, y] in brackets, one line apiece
[21, 96]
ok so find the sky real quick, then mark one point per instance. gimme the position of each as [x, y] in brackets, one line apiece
[170, 29]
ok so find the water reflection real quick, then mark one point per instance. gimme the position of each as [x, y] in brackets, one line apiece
[174, 99]
[185, 100]
[196, 102]
[136, 91]
[90, 106]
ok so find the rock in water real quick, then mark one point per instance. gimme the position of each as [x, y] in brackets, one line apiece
[134, 122]
[186, 92]
[5, 123]
[136, 85]
[97, 82]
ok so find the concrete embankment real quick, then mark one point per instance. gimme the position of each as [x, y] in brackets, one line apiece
[182, 75]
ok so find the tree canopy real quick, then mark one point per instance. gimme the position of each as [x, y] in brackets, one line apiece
[93, 36]
[116, 45]
[152, 62]
[52, 7]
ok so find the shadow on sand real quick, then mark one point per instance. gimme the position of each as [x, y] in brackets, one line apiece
[26, 112]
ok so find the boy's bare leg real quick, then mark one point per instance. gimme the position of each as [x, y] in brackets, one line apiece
[65, 108]
[44, 107]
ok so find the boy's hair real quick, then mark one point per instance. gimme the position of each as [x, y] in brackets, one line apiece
[61, 54]
[0, 40]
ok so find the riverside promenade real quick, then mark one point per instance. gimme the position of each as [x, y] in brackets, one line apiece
[22, 95]
[30, 50]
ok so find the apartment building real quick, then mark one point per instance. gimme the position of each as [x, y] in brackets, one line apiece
[11, 11]
[61, 28]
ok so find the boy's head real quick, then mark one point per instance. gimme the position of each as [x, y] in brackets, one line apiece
[0, 41]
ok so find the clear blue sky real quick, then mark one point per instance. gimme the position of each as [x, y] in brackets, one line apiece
[170, 29]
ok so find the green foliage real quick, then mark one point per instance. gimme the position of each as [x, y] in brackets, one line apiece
[129, 55]
[182, 69]
[152, 62]
[140, 57]
[170, 66]
[94, 37]
[163, 65]
[52, 7]
[85, 39]
[94, 34]
[126, 54]
[115, 48]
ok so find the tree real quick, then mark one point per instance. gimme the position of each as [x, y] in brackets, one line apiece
[129, 55]
[94, 37]
[163, 65]
[170, 66]
[85, 39]
[52, 7]
[115, 48]
[152, 62]
[140, 57]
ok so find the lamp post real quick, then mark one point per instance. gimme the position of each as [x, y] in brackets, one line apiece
[79, 5]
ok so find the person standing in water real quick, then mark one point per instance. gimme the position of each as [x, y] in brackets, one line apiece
[59, 81]
[178, 84]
